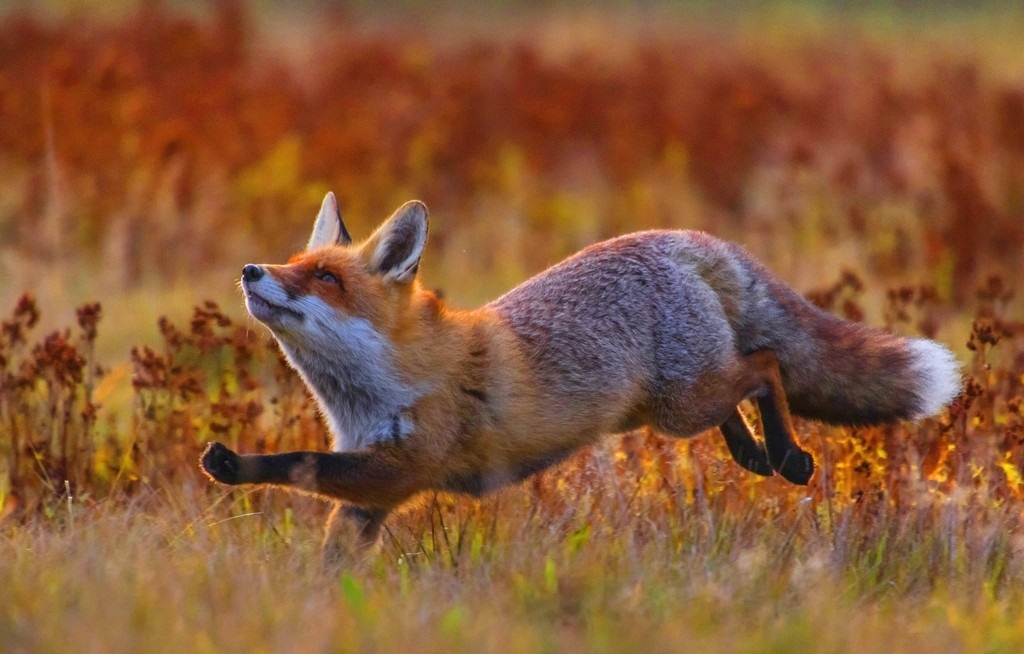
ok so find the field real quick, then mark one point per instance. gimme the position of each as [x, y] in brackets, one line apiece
[874, 160]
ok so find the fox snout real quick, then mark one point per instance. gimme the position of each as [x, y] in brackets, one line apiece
[251, 272]
[266, 302]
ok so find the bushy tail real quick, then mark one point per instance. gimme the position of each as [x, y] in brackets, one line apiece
[842, 372]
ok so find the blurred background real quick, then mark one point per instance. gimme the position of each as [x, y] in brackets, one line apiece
[150, 149]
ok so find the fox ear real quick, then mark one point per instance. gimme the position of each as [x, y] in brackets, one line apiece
[328, 229]
[400, 241]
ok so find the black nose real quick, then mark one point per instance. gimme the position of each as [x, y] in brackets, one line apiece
[251, 272]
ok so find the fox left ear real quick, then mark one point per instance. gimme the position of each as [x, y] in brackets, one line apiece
[329, 228]
[400, 241]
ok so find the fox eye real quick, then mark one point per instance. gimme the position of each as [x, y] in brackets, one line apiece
[327, 276]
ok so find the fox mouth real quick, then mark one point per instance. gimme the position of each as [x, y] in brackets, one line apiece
[264, 310]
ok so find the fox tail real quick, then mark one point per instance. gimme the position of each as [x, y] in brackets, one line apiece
[838, 371]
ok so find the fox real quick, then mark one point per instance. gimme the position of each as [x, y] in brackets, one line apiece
[666, 329]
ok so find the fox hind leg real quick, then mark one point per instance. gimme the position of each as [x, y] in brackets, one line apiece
[713, 402]
[743, 447]
[784, 454]
[684, 411]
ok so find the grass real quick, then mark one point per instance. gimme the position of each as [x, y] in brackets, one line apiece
[172, 573]
[886, 149]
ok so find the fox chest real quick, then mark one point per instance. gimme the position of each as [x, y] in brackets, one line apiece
[354, 428]
[358, 418]
[362, 404]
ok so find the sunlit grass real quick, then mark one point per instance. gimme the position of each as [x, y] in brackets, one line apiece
[178, 571]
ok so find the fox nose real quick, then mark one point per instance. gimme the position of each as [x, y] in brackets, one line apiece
[251, 272]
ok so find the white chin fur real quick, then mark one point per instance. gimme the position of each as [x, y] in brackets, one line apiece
[938, 373]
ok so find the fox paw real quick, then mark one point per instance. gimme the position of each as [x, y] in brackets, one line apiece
[220, 463]
[796, 467]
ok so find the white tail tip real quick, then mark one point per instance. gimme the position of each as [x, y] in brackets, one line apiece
[938, 372]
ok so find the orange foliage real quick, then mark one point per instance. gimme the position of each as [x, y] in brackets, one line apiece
[161, 109]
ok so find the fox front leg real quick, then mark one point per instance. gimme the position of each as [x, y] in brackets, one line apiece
[377, 476]
[220, 464]
[351, 529]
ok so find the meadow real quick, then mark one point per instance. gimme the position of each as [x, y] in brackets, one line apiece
[874, 161]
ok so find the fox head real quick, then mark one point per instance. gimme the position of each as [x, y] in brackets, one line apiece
[335, 281]
[339, 302]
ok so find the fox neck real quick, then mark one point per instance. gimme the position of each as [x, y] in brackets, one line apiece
[367, 382]
[350, 369]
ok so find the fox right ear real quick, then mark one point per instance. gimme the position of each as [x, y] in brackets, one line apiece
[398, 244]
[328, 229]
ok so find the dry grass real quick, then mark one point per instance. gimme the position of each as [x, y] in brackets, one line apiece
[597, 574]
[148, 130]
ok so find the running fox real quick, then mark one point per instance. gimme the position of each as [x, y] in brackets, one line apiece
[670, 329]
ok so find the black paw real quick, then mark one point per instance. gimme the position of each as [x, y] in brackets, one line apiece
[220, 463]
[796, 467]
